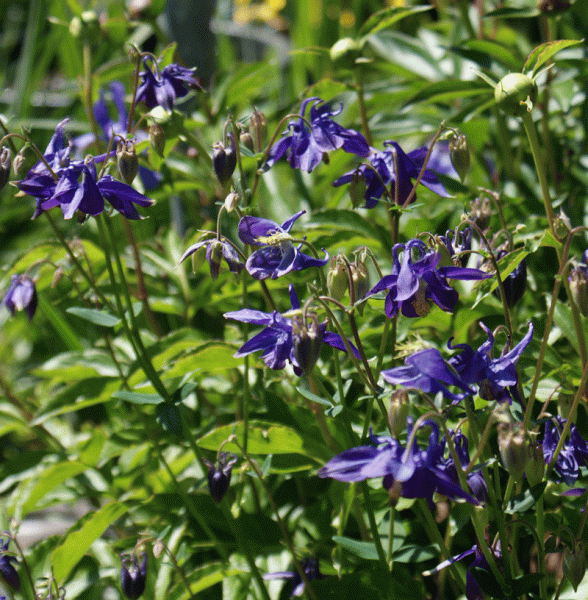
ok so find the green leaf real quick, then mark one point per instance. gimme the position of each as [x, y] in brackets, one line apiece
[169, 417]
[138, 398]
[513, 13]
[365, 550]
[386, 18]
[209, 357]
[414, 554]
[61, 326]
[548, 239]
[264, 438]
[484, 52]
[65, 557]
[93, 315]
[525, 501]
[49, 480]
[522, 584]
[313, 397]
[545, 51]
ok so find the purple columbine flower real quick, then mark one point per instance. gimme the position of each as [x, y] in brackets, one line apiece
[161, 88]
[77, 187]
[149, 178]
[310, 566]
[276, 340]
[215, 250]
[133, 575]
[279, 255]
[413, 284]
[7, 571]
[219, 476]
[21, 295]
[306, 148]
[496, 377]
[573, 453]
[408, 166]
[420, 473]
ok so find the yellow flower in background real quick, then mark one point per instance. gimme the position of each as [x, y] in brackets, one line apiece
[395, 3]
[267, 11]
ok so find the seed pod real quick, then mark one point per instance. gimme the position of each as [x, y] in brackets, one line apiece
[246, 140]
[258, 129]
[481, 212]
[514, 449]
[157, 138]
[337, 279]
[357, 189]
[127, 161]
[579, 289]
[459, 154]
[574, 563]
[224, 160]
[398, 412]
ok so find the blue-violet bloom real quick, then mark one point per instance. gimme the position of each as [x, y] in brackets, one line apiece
[306, 148]
[133, 576]
[77, 187]
[310, 566]
[420, 473]
[276, 340]
[7, 571]
[161, 88]
[408, 166]
[413, 284]
[573, 453]
[279, 255]
[215, 250]
[21, 295]
[219, 476]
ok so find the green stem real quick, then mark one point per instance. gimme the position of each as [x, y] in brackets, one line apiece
[361, 104]
[373, 526]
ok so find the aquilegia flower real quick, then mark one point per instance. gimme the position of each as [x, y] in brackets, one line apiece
[573, 453]
[219, 476]
[279, 255]
[413, 284]
[161, 88]
[306, 147]
[496, 378]
[21, 295]
[310, 566]
[408, 165]
[277, 339]
[215, 250]
[76, 187]
[420, 473]
[133, 575]
[7, 571]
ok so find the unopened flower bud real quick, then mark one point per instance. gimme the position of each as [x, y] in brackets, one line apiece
[514, 449]
[337, 279]
[133, 575]
[357, 188]
[127, 161]
[219, 476]
[224, 160]
[481, 212]
[514, 283]
[306, 342]
[574, 563]
[5, 164]
[398, 412]
[158, 548]
[246, 140]
[459, 154]
[157, 138]
[360, 278]
[515, 94]
[231, 201]
[214, 254]
[258, 129]
[578, 280]
[18, 163]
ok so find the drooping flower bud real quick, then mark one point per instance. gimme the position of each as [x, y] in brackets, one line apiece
[574, 563]
[514, 283]
[515, 94]
[127, 161]
[7, 571]
[21, 295]
[459, 154]
[337, 278]
[536, 465]
[133, 576]
[361, 281]
[578, 280]
[306, 342]
[514, 449]
[258, 130]
[157, 138]
[5, 164]
[224, 160]
[19, 162]
[231, 201]
[246, 140]
[219, 476]
[398, 412]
